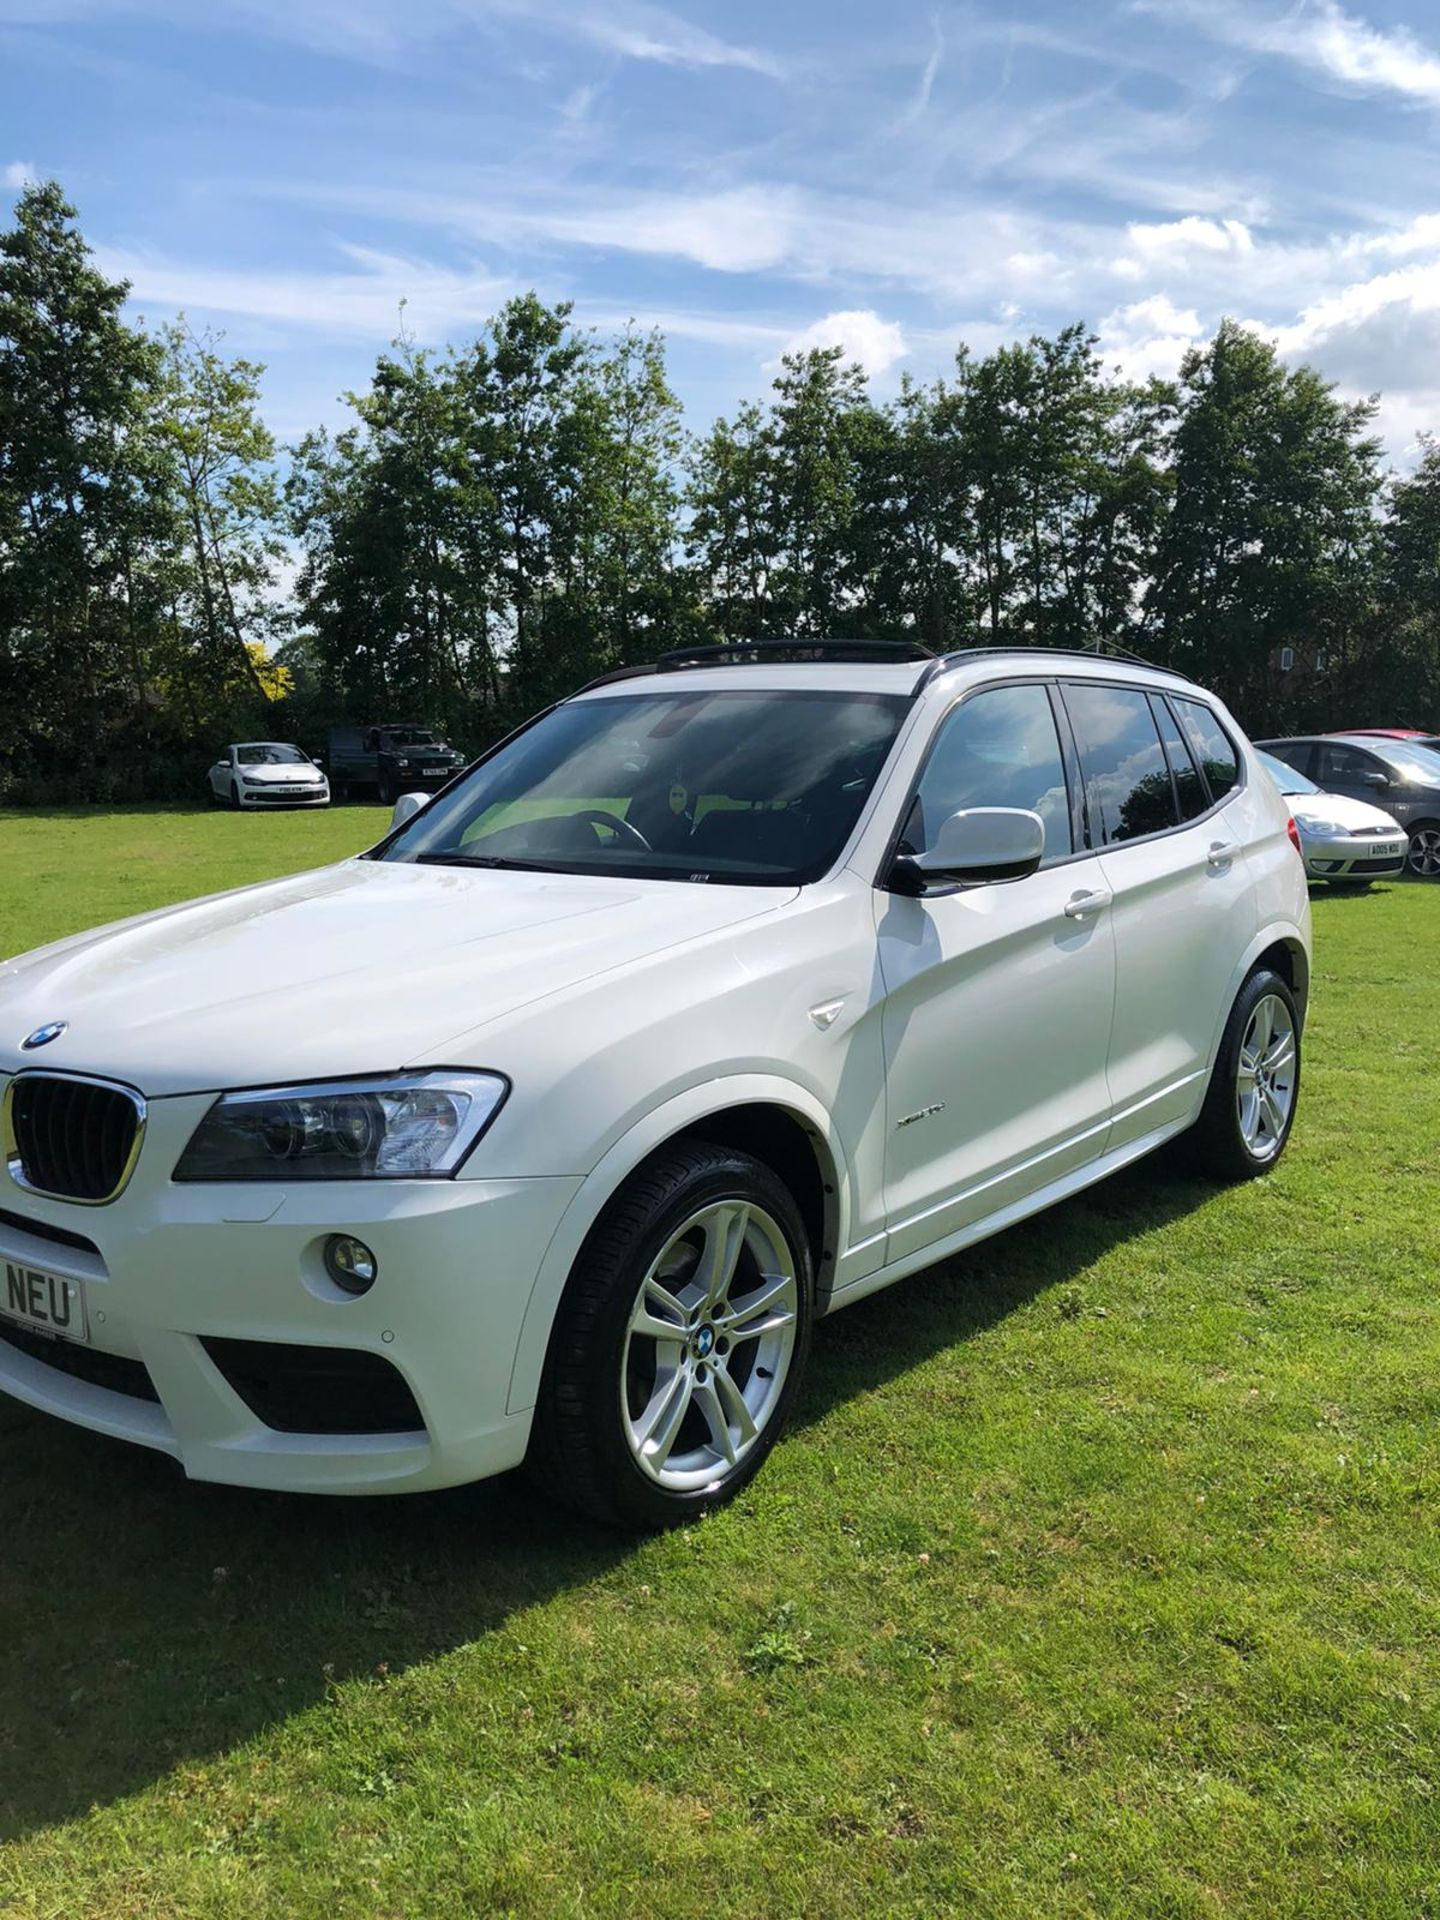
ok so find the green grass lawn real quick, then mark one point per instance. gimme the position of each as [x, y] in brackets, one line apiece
[1101, 1574]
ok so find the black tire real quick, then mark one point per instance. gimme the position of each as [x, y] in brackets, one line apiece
[580, 1449]
[387, 791]
[234, 798]
[1422, 861]
[1219, 1140]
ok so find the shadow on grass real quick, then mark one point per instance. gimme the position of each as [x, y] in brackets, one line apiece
[147, 1621]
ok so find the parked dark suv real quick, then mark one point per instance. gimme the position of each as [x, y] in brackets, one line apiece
[389, 761]
[1397, 775]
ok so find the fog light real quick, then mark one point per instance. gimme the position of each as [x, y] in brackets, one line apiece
[350, 1263]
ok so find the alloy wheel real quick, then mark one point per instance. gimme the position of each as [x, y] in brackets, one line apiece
[1425, 852]
[708, 1346]
[1265, 1077]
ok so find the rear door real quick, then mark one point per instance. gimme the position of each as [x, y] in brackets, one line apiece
[1156, 778]
[998, 997]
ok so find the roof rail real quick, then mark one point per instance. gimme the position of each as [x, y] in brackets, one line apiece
[1108, 652]
[738, 652]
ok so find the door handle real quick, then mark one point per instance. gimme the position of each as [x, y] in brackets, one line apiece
[1219, 855]
[1081, 905]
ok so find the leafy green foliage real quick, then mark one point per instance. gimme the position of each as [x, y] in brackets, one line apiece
[502, 520]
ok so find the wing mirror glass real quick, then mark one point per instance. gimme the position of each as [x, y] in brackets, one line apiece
[977, 847]
[1378, 781]
[406, 808]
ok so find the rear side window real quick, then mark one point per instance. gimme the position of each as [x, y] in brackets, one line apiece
[1212, 746]
[1189, 787]
[999, 748]
[1127, 781]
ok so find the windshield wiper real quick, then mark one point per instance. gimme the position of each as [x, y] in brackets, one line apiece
[474, 860]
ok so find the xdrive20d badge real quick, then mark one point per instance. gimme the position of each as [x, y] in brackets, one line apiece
[712, 1000]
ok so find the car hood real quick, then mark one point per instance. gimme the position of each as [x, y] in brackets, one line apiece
[1354, 815]
[357, 968]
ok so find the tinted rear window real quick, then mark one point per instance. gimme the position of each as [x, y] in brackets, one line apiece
[1127, 782]
[1213, 747]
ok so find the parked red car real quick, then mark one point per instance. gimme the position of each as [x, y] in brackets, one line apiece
[1417, 734]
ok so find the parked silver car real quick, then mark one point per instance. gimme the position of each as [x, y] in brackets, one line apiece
[1371, 768]
[1347, 842]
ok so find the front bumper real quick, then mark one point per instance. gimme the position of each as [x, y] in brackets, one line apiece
[173, 1273]
[284, 797]
[1349, 856]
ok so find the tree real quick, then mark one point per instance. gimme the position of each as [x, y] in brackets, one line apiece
[228, 504]
[82, 494]
[1271, 538]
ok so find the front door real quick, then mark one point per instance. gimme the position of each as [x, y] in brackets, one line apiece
[998, 997]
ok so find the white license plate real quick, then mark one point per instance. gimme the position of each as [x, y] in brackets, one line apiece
[436, 773]
[44, 1302]
[1389, 851]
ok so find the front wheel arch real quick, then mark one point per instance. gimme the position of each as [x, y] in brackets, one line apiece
[714, 1110]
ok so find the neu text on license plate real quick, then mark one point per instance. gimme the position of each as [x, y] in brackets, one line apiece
[44, 1302]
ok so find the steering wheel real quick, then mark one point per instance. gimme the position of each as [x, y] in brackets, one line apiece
[597, 817]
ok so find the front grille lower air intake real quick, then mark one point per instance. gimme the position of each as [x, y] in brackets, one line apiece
[74, 1138]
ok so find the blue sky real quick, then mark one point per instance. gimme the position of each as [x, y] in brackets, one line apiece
[751, 177]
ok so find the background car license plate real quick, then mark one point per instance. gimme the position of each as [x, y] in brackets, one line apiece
[46, 1302]
[433, 773]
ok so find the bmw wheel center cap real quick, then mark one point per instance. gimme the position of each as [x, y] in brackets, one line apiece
[42, 1036]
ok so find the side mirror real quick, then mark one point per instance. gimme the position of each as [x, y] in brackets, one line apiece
[977, 847]
[1378, 781]
[406, 808]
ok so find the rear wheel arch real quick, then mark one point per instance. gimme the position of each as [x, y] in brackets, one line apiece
[1289, 959]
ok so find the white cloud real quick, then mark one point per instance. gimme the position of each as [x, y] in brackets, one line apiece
[873, 344]
[20, 174]
[928, 73]
[1321, 36]
[364, 300]
[1149, 337]
[653, 33]
[1190, 235]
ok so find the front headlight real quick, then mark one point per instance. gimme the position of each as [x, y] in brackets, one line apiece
[403, 1126]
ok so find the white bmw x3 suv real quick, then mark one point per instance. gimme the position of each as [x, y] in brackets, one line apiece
[715, 998]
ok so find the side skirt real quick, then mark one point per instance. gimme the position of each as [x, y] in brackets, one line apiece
[1068, 1184]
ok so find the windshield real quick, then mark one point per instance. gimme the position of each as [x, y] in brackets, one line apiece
[411, 737]
[268, 753]
[1286, 778]
[1420, 765]
[752, 788]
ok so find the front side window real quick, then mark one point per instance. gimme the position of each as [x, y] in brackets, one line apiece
[749, 787]
[999, 748]
[1339, 766]
[1127, 781]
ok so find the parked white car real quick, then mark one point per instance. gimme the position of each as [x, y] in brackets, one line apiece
[715, 999]
[1347, 842]
[267, 773]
